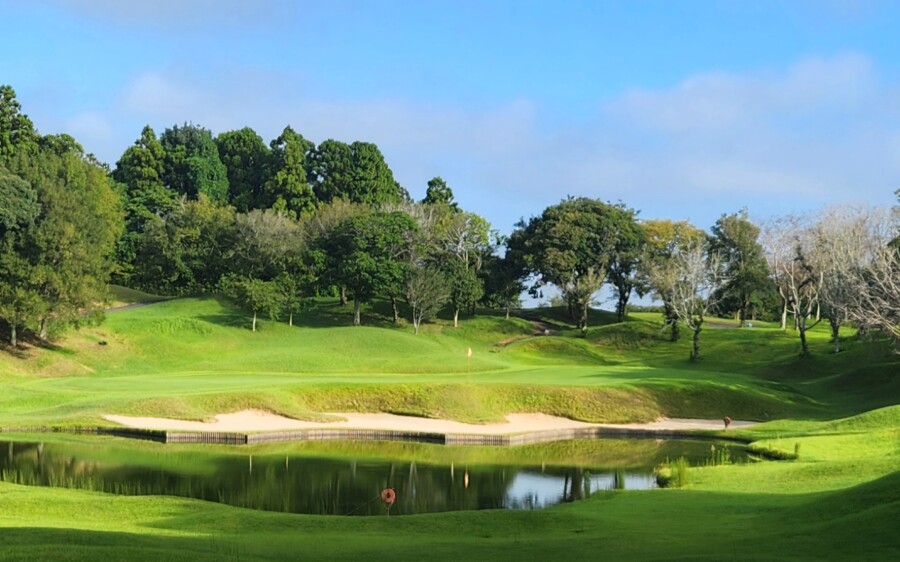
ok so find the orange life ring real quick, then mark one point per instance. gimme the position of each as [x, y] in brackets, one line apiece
[388, 496]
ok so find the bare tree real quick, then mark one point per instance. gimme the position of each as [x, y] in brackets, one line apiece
[843, 247]
[776, 241]
[426, 293]
[665, 238]
[691, 280]
[875, 292]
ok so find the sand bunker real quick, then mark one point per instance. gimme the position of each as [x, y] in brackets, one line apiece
[255, 420]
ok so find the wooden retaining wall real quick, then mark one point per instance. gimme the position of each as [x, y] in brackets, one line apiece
[223, 438]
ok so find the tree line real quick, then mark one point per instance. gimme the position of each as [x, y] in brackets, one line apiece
[275, 225]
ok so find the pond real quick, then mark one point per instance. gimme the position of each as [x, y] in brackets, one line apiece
[346, 478]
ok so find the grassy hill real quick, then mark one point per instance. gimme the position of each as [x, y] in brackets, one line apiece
[193, 358]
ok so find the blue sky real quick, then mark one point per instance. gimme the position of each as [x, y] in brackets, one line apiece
[684, 110]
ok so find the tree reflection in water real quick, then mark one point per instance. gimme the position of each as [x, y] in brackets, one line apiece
[338, 485]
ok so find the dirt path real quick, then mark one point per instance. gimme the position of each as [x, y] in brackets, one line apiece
[254, 420]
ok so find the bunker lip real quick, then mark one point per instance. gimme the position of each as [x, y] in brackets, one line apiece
[258, 421]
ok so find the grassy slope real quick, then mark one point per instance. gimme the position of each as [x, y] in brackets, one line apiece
[195, 357]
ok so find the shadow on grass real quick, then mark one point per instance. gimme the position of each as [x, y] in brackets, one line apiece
[45, 543]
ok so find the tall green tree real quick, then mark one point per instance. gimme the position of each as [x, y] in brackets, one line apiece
[139, 172]
[736, 240]
[331, 171]
[356, 172]
[17, 132]
[58, 261]
[439, 193]
[625, 258]
[18, 202]
[192, 164]
[19, 296]
[77, 236]
[568, 245]
[246, 158]
[287, 187]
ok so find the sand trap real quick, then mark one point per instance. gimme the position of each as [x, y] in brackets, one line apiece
[255, 420]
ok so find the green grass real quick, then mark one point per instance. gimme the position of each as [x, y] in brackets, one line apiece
[193, 358]
[123, 296]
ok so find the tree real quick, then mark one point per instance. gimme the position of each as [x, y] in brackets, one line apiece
[563, 244]
[192, 164]
[426, 292]
[665, 240]
[56, 253]
[692, 279]
[266, 243]
[581, 290]
[799, 274]
[364, 255]
[270, 246]
[778, 250]
[439, 193]
[458, 240]
[630, 239]
[356, 172]
[18, 202]
[145, 196]
[76, 236]
[187, 251]
[875, 294]
[246, 158]
[19, 296]
[20, 300]
[735, 238]
[288, 186]
[257, 295]
[291, 292]
[331, 171]
[320, 226]
[466, 288]
[502, 277]
[373, 181]
[17, 133]
[842, 247]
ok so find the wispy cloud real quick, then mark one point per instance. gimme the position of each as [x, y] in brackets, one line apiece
[824, 130]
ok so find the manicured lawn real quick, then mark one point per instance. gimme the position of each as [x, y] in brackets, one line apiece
[193, 358]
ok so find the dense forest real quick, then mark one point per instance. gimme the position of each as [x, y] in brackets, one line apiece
[276, 225]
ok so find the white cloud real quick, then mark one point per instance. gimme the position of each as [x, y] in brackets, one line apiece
[823, 131]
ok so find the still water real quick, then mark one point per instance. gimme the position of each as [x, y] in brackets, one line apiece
[346, 478]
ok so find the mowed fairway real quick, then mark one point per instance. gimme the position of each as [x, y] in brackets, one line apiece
[193, 358]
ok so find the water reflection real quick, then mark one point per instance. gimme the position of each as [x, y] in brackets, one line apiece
[339, 482]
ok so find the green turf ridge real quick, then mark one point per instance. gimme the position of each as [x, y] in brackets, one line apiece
[194, 358]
